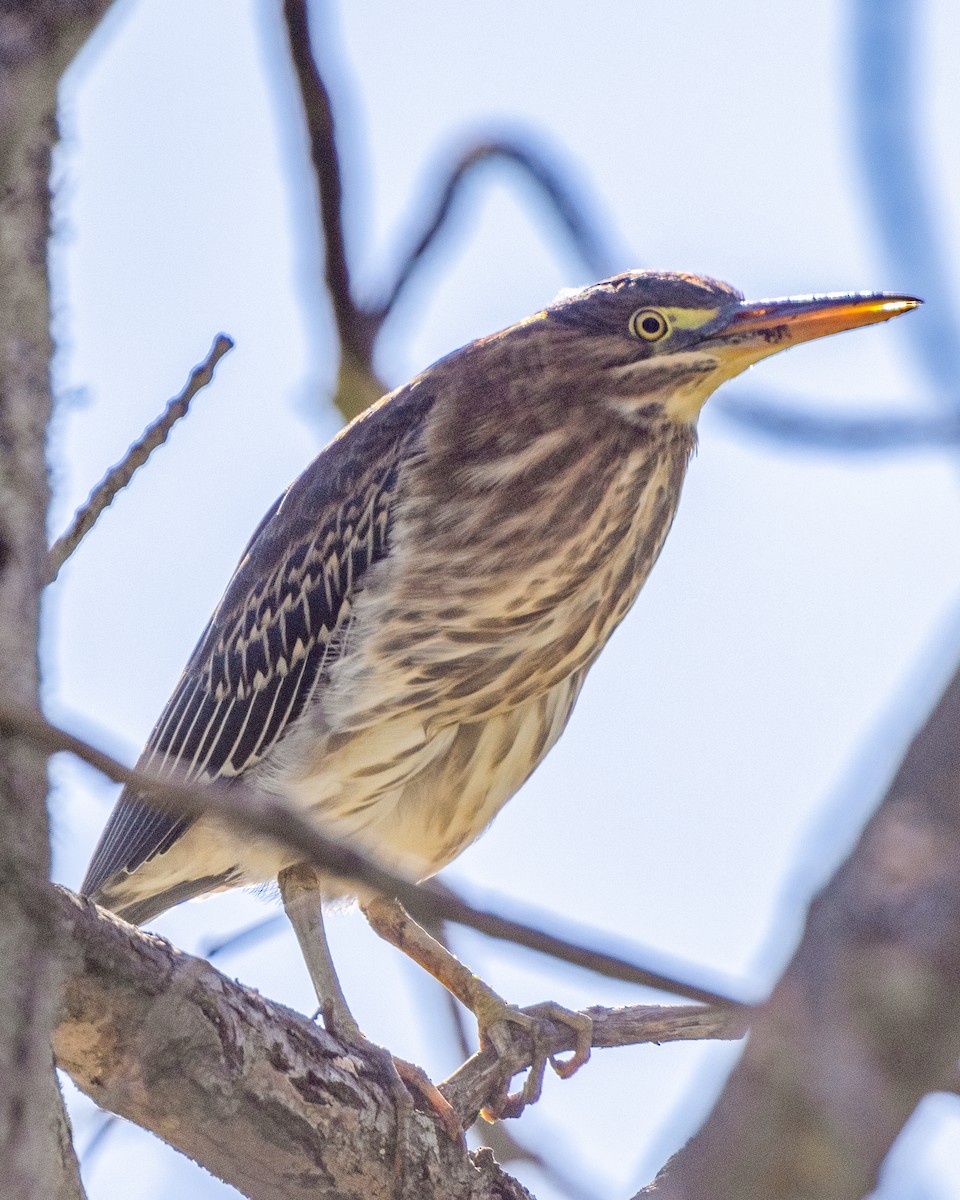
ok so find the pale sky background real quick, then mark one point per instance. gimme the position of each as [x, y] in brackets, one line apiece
[744, 719]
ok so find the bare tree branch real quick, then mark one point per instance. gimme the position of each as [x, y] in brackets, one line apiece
[269, 816]
[547, 177]
[260, 1096]
[120, 475]
[357, 324]
[456, 1014]
[866, 1020]
[774, 421]
[643, 1023]
[358, 385]
[353, 327]
[106, 1123]
[69, 1185]
[249, 935]
[507, 1147]
[449, 906]
[165, 1040]
[469, 1088]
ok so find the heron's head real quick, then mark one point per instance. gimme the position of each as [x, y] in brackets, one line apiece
[659, 343]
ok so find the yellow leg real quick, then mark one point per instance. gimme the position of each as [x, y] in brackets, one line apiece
[394, 924]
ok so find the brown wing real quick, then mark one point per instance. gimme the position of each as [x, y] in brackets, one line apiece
[276, 631]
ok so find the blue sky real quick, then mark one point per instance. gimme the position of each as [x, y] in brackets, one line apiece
[804, 611]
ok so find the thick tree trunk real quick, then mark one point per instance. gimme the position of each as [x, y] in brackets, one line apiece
[36, 43]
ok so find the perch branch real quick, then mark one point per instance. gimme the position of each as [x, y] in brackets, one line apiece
[355, 328]
[129, 996]
[472, 1084]
[258, 1095]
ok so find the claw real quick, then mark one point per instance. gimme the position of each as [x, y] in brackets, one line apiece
[492, 1015]
[582, 1027]
[392, 922]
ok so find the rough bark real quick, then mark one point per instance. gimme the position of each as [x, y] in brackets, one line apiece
[866, 1020]
[266, 1099]
[262, 1097]
[36, 43]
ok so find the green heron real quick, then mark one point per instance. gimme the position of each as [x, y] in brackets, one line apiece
[410, 625]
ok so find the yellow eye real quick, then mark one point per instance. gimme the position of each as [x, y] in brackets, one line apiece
[648, 324]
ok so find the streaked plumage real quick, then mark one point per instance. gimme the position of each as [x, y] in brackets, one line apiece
[410, 625]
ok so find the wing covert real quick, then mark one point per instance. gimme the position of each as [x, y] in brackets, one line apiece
[280, 624]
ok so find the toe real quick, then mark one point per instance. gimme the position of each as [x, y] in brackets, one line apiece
[582, 1027]
[419, 1083]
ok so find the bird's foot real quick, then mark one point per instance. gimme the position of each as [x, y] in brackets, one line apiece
[493, 1016]
[392, 922]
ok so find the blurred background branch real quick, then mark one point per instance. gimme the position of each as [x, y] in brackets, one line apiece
[571, 211]
[358, 325]
[866, 1020]
[264, 815]
[885, 103]
[817, 431]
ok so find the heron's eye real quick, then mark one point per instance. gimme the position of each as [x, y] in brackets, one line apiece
[648, 324]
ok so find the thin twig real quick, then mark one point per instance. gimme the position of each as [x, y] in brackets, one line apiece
[454, 1009]
[508, 1149]
[471, 1085]
[358, 325]
[106, 1123]
[546, 176]
[269, 816]
[842, 435]
[120, 475]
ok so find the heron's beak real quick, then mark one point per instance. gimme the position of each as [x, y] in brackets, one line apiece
[758, 329]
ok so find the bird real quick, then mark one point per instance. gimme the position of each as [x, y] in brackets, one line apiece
[410, 625]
